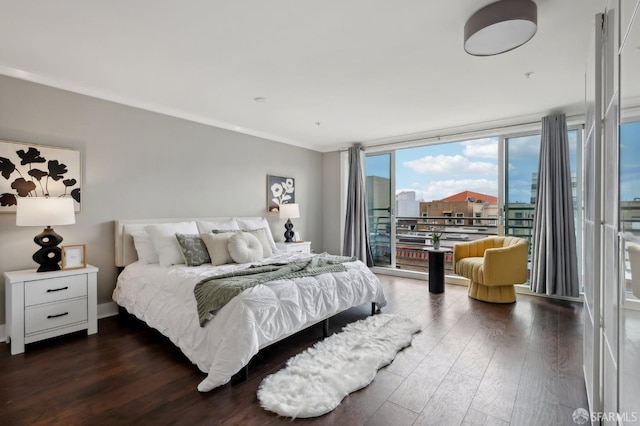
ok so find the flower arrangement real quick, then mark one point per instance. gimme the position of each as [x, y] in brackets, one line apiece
[436, 236]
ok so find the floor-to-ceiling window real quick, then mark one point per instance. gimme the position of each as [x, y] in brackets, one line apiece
[630, 205]
[379, 186]
[465, 189]
[449, 188]
[522, 154]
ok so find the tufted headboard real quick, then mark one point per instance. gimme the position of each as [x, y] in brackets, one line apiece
[125, 250]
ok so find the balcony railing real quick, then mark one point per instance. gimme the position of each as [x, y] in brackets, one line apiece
[413, 236]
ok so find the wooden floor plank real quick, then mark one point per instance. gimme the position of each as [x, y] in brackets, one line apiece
[472, 363]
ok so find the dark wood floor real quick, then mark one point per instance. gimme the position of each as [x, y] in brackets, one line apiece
[473, 363]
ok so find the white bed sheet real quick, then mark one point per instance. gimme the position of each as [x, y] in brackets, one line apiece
[163, 298]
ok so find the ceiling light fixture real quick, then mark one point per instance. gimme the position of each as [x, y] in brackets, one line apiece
[500, 27]
[260, 99]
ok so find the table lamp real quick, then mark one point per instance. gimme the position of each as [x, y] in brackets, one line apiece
[289, 211]
[45, 211]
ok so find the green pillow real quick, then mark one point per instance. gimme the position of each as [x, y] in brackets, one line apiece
[193, 249]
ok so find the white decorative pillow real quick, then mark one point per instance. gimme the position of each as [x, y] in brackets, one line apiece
[246, 224]
[224, 225]
[244, 247]
[163, 236]
[261, 235]
[144, 247]
[217, 246]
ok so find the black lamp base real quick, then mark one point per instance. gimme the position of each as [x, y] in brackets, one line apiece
[49, 255]
[288, 234]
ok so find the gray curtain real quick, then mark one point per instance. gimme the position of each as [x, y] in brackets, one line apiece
[356, 230]
[554, 268]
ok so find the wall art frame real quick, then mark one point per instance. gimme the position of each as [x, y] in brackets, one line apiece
[32, 170]
[73, 257]
[280, 190]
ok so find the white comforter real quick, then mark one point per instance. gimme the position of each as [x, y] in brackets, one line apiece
[163, 298]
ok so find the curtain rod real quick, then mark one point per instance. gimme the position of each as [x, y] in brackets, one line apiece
[573, 119]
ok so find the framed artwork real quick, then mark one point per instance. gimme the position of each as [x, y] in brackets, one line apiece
[29, 170]
[73, 257]
[280, 190]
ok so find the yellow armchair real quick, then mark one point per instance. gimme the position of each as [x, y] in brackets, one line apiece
[493, 265]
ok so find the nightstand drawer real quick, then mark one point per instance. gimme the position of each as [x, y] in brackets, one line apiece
[54, 289]
[41, 318]
[299, 247]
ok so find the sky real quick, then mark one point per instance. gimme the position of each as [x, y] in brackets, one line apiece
[630, 161]
[435, 172]
[438, 171]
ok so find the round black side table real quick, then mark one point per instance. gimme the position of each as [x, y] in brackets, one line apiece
[436, 268]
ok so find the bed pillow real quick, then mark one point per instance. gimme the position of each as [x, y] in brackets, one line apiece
[193, 249]
[247, 224]
[244, 247]
[163, 236]
[144, 247]
[217, 246]
[224, 225]
[261, 235]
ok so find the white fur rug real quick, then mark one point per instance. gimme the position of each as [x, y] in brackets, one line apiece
[314, 382]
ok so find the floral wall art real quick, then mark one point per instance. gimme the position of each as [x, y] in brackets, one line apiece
[280, 190]
[28, 170]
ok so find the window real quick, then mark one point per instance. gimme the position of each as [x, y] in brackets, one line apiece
[457, 184]
[518, 221]
[447, 221]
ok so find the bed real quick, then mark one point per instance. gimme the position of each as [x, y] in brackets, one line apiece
[162, 296]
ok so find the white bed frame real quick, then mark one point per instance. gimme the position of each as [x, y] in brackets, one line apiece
[126, 254]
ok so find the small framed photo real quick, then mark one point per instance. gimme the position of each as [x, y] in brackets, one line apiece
[73, 257]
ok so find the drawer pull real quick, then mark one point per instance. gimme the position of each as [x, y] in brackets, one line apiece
[51, 290]
[57, 316]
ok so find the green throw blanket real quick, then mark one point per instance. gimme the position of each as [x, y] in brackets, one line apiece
[214, 292]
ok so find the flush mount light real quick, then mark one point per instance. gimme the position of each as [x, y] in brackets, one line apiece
[500, 27]
[260, 99]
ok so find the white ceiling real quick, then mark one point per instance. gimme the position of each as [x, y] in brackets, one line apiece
[366, 70]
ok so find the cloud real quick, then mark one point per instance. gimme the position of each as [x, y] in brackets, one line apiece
[524, 147]
[482, 148]
[439, 189]
[451, 165]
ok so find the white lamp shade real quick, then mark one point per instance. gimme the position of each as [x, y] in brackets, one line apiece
[41, 211]
[289, 211]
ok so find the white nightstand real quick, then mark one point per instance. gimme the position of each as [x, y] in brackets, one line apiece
[40, 305]
[302, 246]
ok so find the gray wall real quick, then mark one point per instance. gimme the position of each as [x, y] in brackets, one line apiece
[140, 164]
[331, 216]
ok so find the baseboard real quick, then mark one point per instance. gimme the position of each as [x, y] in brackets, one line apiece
[104, 310]
[406, 273]
[451, 279]
[107, 310]
[524, 289]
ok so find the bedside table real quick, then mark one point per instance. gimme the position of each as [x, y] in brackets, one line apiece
[40, 305]
[302, 246]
